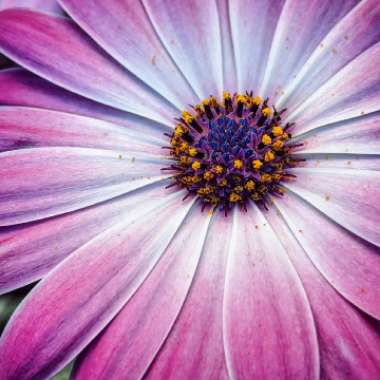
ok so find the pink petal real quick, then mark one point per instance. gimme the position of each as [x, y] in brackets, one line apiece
[349, 197]
[301, 27]
[114, 25]
[195, 347]
[41, 5]
[21, 88]
[353, 92]
[190, 32]
[252, 26]
[57, 50]
[269, 328]
[29, 127]
[356, 136]
[348, 342]
[28, 252]
[349, 38]
[43, 182]
[350, 264]
[93, 284]
[129, 344]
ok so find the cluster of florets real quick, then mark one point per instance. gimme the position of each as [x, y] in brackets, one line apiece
[232, 151]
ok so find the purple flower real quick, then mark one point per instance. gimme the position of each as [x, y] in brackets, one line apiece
[139, 282]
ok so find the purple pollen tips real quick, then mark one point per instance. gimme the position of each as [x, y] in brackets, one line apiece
[232, 151]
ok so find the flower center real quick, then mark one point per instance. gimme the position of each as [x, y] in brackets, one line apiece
[228, 153]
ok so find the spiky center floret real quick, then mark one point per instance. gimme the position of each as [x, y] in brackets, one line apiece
[230, 152]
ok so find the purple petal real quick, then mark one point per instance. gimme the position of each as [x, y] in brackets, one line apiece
[190, 32]
[252, 26]
[114, 25]
[353, 92]
[195, 347]
[28, 127]
[28, 252]
[356, 136]
[93, 284]
[301, 27]
[228, 56]
[130, 343]
[41, 5]
[59, 51]
[21, 88]
[43, 182]
[348, 341]
[348, 39]
[349, 197]
[269, 328]
[341, 161]
[350, 264]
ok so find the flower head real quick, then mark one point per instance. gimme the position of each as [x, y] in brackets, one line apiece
[266, 110]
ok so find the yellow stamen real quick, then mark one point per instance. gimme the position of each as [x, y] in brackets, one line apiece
[208, 176]
[238, 164]
[265, 178]
[218, 169]
[257, 100]
[239, 189]
[226, 95]
[266, 112]
[196, 165]
[241, 99]
[277, 131]
[266, 140]
[277, 145]
[188, 117]
[235, 197]
[257, 164]
[250, 185]
[223, 182]
[185, 160]
[192, 152]
[183, 147]
[269, 156]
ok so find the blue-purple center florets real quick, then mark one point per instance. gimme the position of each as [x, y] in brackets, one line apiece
[231, 152]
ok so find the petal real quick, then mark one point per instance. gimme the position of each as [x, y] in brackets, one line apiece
[27, 127]
[228, 56]
[42, 5]
[301, 27]
[129, 344]
[252, 26]
[111, 27]
[28, 252]
[57, 50]
[348, 342]
[340, 161]
[349, 197]
[355, 136]
[94, 283]
[43, 182]
[353, 92]
[194, 347]
[21, 88]
[349, 38]
[350, 264]
[269, 328]
[190, 32]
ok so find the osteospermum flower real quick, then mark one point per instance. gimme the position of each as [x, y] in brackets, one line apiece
[138, 116]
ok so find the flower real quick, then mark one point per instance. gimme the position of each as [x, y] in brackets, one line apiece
[139, 282]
